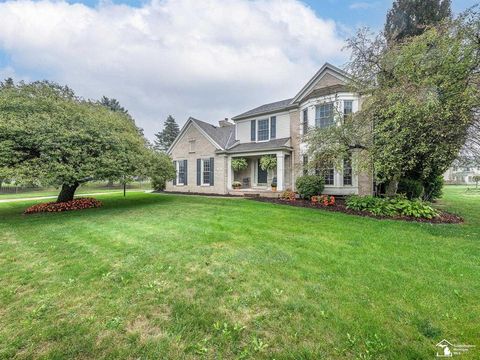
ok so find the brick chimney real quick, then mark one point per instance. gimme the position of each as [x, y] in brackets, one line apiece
[223, 123]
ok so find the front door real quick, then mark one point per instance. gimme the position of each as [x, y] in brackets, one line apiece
[261, 175]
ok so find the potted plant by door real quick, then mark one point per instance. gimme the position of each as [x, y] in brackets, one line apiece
[274, 185]
[236, 185]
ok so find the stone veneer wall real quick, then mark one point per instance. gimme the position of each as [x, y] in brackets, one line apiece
[297, 163]
[203, 149]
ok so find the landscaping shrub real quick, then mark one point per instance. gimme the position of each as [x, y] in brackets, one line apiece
[158, 183]
[393, 206]
[413, 189]
[433, 188]
[288, 194]
[76, 204]
[310, 185]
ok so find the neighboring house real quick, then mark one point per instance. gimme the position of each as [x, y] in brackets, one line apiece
[462, 174]
[203, 153]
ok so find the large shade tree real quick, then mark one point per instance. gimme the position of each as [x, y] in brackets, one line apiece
[419, 105]
[51, 137]
[412, 17]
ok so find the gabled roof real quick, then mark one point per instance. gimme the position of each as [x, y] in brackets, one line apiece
[342, 75]
[305, 91]
[220, 137]
[283, 143]
[265, 109]
[223, 136]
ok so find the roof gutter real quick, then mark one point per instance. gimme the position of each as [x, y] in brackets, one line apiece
[243, 117]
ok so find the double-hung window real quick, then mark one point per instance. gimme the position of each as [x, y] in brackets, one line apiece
[181, 172]
[329, 176]
[206, 172]
[347, 108]
[324, 116]
[263, 130]
[347, 171]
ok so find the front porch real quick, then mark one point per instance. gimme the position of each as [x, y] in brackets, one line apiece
[256, 181]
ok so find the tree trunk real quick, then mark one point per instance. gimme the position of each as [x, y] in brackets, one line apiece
[67, 192]
[392, 187]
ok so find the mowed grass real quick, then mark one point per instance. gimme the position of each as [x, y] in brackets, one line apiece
[169, 276]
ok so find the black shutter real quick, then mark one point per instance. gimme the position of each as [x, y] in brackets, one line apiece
[212, 172]
[199, 174]
[253, 130]
[273, 127]
[175, 178]
[186, 172]
[305, 121]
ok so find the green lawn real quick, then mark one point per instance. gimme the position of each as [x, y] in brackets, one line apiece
[169, 276]
[42, 193]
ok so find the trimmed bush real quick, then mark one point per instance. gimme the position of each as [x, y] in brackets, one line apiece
[433, 188]
[310, 185]
[412, 189]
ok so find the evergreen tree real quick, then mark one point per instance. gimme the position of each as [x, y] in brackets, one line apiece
[165, 138]
[411, 17]
[113, 104]
[8, 83]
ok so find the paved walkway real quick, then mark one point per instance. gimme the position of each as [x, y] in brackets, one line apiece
[54, 197]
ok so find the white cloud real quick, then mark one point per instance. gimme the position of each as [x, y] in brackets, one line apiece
[363, 5]
[209, 59]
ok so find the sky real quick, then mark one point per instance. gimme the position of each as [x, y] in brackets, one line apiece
[210, 59]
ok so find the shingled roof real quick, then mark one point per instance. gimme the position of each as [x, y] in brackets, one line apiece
[265, 109]
[222, 135]
[283, 143]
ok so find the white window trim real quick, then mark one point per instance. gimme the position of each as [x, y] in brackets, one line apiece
[257, 129]
[343, 174]
[202, 161]
[335, 120]
[178, 174]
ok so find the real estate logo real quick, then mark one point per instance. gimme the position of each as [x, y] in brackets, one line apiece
[446, 349]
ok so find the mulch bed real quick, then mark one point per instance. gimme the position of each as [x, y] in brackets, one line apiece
[339, 206]
[76, 204]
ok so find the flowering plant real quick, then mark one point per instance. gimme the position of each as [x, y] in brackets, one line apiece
[324, 200]
[288, 195]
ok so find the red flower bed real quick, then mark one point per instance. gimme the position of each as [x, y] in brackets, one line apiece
[76, 204]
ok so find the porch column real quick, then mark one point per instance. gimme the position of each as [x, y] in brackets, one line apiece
[229, 173]
[280, 170]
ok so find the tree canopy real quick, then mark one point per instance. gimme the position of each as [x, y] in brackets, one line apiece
[167, 136]
[412, 17]
[50, 136]
[419, 103]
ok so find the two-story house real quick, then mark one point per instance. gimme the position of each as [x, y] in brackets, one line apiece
[203, 153]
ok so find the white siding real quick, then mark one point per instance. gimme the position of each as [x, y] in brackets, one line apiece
[283, 126]
[310, 105]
